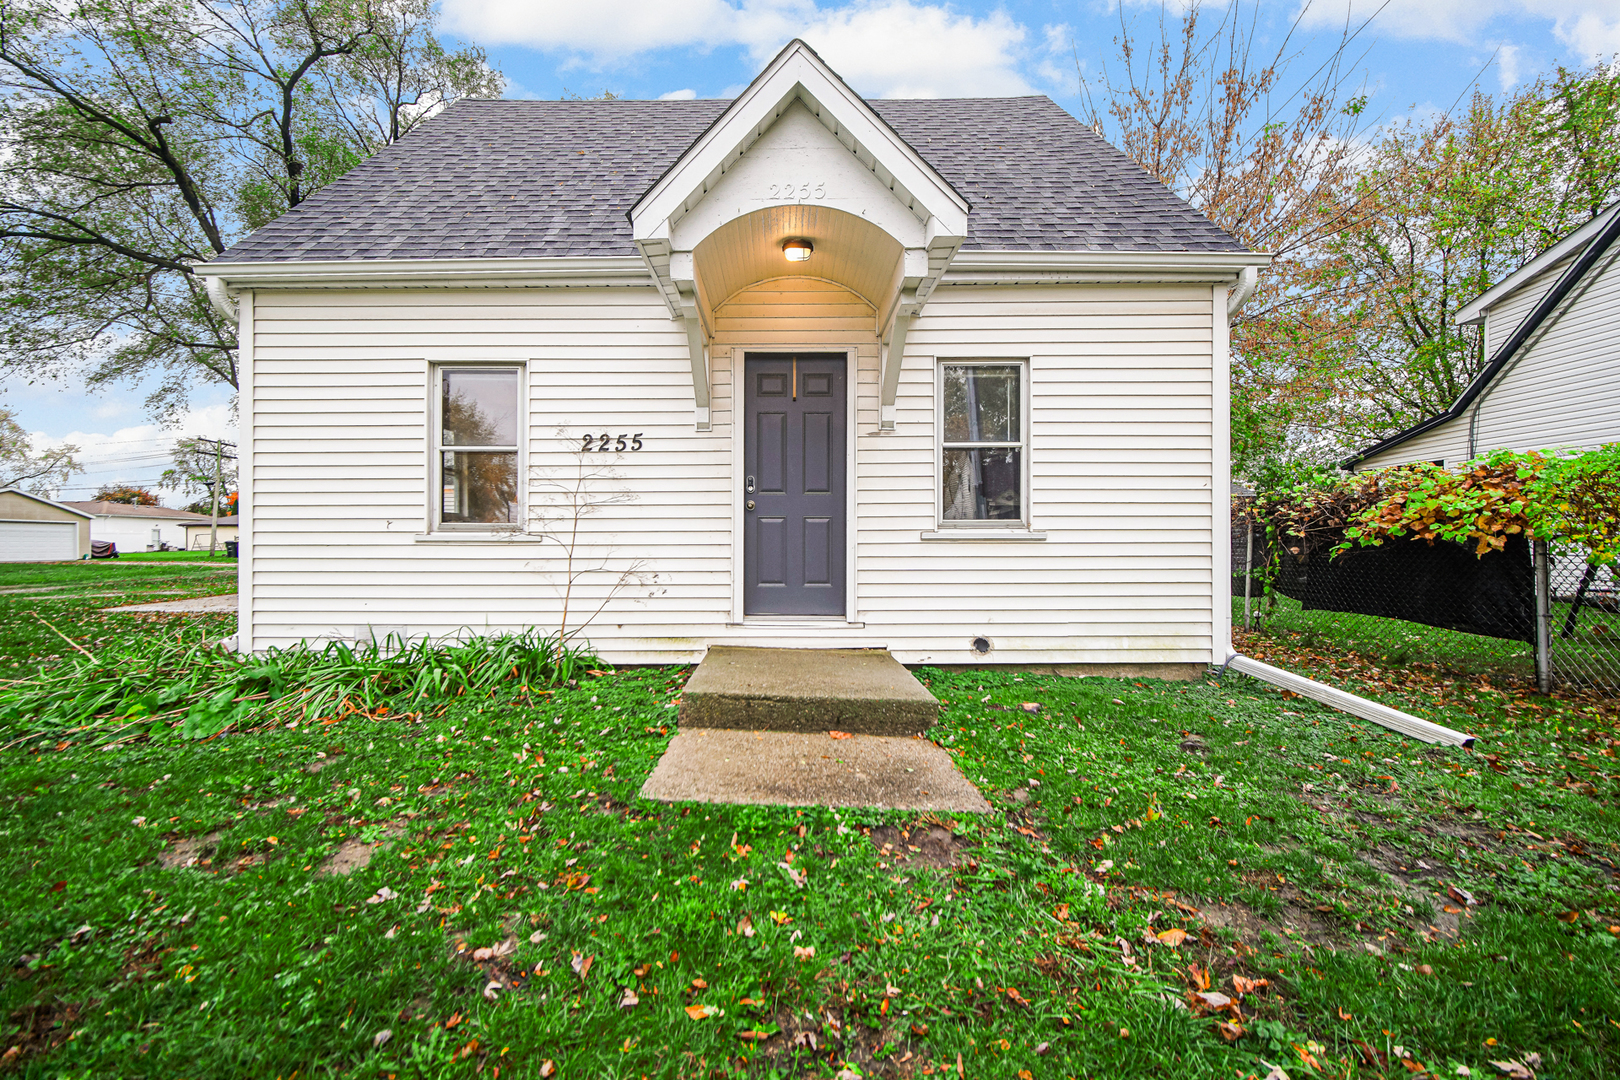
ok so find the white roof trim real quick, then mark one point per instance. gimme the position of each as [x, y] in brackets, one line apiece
[578, 271]
[47, 502]
[798, 74]
[1474, 313]
[1021, 267]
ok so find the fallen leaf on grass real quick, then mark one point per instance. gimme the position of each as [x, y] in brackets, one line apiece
[701, 1012]
[1215, 999]
[1245, 985]
[628, 1000]
[1172, 937]
[754, 1036]
[382, 1037]
[582, 964]
[840, 734]
[745, 926]
[548, 1069]
[1462, 896]
[781, 918]
[492, 989]
[1519, 1070]
[486, 953]
[804, 952]
[1229, 1031]
[1344, 1015]
[1569, 916]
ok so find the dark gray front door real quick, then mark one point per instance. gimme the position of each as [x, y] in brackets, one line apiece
[793, 484]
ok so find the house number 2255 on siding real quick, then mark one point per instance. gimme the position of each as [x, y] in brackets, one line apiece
[798, 191]
[610, 443]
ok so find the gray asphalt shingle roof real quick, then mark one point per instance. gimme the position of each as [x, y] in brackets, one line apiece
[535, 179]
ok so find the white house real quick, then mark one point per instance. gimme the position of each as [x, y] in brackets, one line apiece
[944, 376]
[138, 528]
[36, 529]
[1550, 331]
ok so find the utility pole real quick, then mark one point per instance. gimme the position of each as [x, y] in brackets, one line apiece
[213, 509]
[219, 447]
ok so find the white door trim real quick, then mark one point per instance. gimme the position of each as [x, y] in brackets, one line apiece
[738, 434]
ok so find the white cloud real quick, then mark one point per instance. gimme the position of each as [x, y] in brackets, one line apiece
[1593, 36]
[1590, 27]
[884, 48]
[1507, 66]
[678, 95]
[906, 50]
[137, 454]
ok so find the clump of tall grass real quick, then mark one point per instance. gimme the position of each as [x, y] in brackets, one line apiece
[187, 685]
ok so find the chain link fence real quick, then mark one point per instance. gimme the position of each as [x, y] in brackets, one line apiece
[1532, 613]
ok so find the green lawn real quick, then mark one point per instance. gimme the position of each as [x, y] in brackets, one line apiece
[167, 914]
[1593, 646]
[73, 597]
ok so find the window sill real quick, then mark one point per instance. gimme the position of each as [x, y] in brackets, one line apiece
[982, 534]
[471, 537]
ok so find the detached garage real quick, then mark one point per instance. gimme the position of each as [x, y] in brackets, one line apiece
[34, 529]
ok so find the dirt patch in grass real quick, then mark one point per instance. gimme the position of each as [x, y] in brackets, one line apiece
[41, 1028]
[355, 854]
[920, 843]
[188, 851]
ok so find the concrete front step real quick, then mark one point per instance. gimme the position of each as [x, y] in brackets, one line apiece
[862, 691]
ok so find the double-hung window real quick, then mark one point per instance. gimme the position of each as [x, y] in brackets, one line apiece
[983, 442]
[476, 449]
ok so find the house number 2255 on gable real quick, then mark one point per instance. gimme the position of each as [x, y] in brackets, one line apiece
[798, 191]
[604, 444]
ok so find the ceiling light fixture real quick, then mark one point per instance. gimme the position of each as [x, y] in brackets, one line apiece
[797, 250]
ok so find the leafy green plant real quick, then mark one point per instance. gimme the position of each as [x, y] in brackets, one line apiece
[206, 689]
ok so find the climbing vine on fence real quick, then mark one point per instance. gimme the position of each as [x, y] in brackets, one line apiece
[1546, 495]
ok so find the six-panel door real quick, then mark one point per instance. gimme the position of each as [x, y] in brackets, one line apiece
[793, 485]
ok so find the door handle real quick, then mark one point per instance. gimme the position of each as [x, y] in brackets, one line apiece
[749, 505]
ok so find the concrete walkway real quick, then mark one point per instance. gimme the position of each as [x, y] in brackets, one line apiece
[808, 727]
[198, 605]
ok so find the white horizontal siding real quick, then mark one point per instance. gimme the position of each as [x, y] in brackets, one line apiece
[1561, 391]
[1121, 463]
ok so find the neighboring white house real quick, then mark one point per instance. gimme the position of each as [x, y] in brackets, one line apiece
[36, 529]
[945, 376]
[1552, 332]
[138, 528]
[198, 532]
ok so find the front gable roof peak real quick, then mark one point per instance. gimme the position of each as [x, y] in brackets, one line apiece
[799, 74]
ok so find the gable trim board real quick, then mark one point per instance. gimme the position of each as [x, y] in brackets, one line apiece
[1541, 319]
[949, 237]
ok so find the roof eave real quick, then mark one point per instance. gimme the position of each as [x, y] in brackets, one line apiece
[1473, 313]
[1528, 329]
[337, 273]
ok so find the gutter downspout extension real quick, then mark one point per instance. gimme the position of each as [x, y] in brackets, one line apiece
[1383, 715]
[222, 301]
[1242, 290]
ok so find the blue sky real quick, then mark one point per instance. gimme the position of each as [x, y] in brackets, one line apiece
[1416, 54]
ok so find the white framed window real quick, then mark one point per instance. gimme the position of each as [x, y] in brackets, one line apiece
[477, 454]
[983, 443]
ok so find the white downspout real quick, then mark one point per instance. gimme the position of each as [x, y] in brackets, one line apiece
[1344, 701]
[1242, 290]
[221, 300]
[1332, 696]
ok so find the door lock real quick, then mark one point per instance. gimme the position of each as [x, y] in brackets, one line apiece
[748, 485]
[749, 504]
